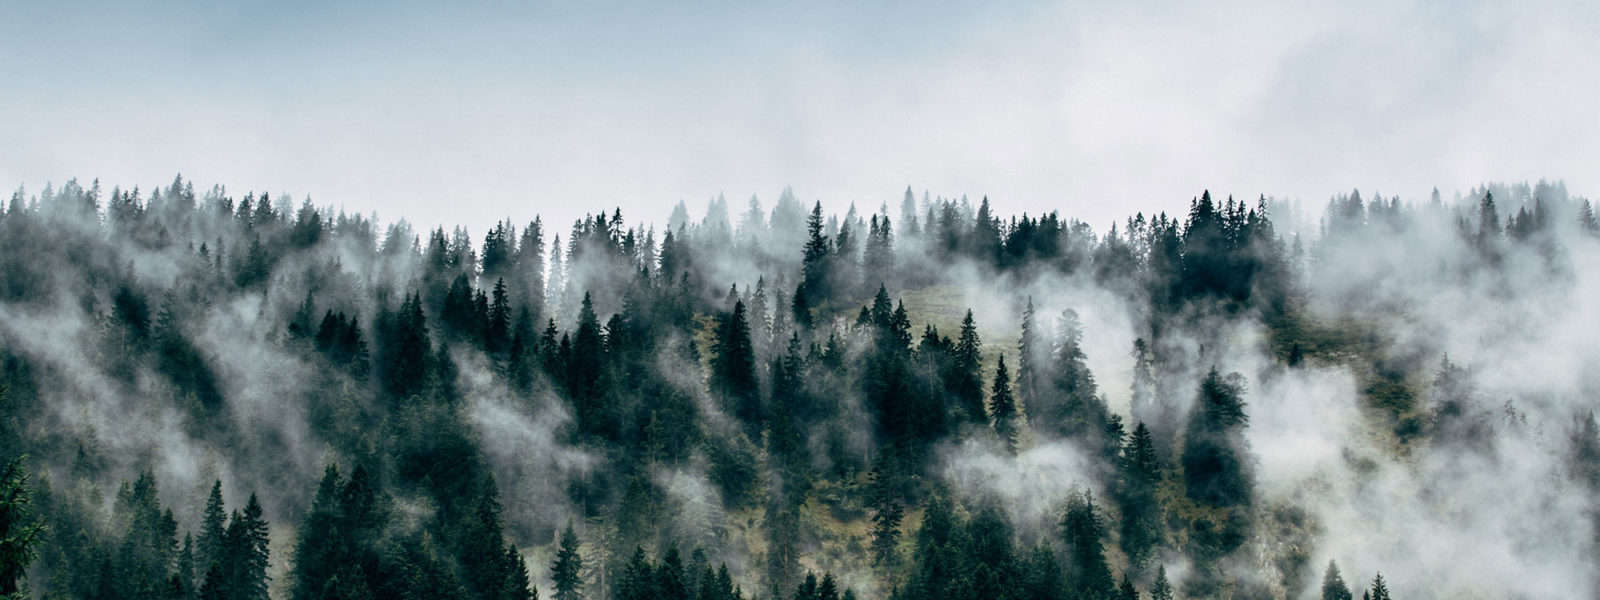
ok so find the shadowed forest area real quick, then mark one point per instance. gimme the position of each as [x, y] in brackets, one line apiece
[211, 395]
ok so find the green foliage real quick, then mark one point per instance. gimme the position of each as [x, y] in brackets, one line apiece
[1333, 586]
[420, 515]
[566, 570]
[1216, 468]
[1083, 530]
[19, 531]
[733, 367]
[1002, 406]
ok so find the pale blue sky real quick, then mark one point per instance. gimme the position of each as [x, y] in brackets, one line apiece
[467, 112]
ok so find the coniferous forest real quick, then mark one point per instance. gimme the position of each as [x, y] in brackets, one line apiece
[210, 394]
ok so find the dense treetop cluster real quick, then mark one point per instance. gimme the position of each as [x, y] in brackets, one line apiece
[722, 411]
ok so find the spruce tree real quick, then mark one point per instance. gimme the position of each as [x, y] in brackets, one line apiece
[19, 532]
[497, 332]
[887, 514]
[816, 269]
[1002, 407]
[566, 570]
[733, 369]
[251, 555]
[968, 381]
[1031, 353]
[1083, 529]
[1216, 469]
[1161, 589]
[1380, 590]
[1333, 586]
[213, 523]
[585, 370]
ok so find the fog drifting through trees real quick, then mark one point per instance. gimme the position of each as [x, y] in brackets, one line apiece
[762, 400]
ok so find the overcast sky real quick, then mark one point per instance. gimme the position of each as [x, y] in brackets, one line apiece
[458, 112]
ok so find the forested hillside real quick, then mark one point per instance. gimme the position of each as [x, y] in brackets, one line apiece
[212, 395]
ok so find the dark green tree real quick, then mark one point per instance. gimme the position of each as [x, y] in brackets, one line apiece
[1161, 589]
[967, 384]
[497, 331]
[733, 367]
[566, 571]
[1216, 468]
[1141, 511]
[1083, 530]
[886, 516]
[213, 528]
[19, 530]
[816, 266]
[1380, 590]
[1002, 407]
[1333, 586]
[585, 371]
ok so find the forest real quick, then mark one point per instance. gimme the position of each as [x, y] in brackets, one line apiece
[213, 395]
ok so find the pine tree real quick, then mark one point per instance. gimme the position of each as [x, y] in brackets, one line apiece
[968, 384]
[1082, 528]
[1041, 576]
[1380, 590]
[1161, 589]
[566, 571]
[815, 268]
[251, 555]
[213, 523]
[733, 368]
[1081, 412]
[517, 585]
[585, 370]
[1030, 353]
[1142, 403]
[1333, 587]
[1002, 407]
[19, 532]
[497, 332]
[877, 262]
[887, 515]
[1126, 591]
[1215, 468]
[1141, 520]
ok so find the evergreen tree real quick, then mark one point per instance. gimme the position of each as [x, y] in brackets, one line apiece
[517, 584]
[1002, 407]
[1083, 529]
[886, 516]
[1333, 586]
[968, 382]
[213, 524]
[585, 371]
[1161, 589]
[878, 260]
[1380, 590]
[1142, 404]
[733, 369]
[1140, 475]
[1215, 468]
[248, 546]
[1041, 576]
[566, 571]
[497, 333]
[1081, 413]
[1126, 591]
[1030, 380]
[19, 531]
[816, 270]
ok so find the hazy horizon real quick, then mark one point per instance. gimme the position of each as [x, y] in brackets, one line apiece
[494, 110]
